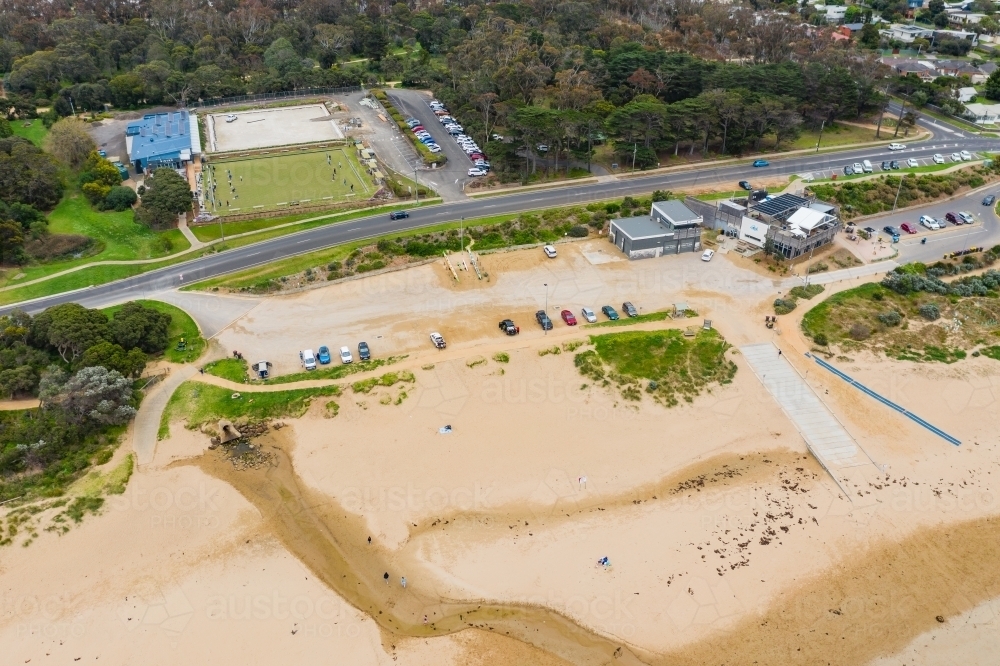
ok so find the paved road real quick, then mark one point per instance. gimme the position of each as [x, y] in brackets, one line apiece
[944, 140]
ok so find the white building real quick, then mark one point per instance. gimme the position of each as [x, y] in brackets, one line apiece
[966, 94]
[984, 114]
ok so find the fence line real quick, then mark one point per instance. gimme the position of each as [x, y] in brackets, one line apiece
[263, 97]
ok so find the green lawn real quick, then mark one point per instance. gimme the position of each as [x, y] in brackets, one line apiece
[181, 326]
[278, 181]
[233, 369]
[628, 321]
[199, 403]
[116, 235]
[35, 133]
[836, 135]
[335, 371]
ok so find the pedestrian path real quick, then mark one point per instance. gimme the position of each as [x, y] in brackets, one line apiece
[147, 422]
[825, 436]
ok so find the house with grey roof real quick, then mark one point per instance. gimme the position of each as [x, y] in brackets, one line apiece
[670, 228]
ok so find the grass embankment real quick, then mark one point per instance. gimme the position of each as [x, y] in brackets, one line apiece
[868, 197]
[628, 321]
[665, 364]
[35, 132]
[211, 232]
[181, 326]
[116, 237]
[336, 371]
[199, 403]
[918, 325]
[233, 369]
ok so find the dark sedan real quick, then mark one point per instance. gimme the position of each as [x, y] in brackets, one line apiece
[988, 200]
[398, 215]
[543, 320]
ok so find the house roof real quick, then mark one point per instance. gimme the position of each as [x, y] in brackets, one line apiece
[641, 226]
[160, 134]
[806, 219]
[988, 67]
[675, 211]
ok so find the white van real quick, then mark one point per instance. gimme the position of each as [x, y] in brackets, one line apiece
[308, 359]
[867, 166]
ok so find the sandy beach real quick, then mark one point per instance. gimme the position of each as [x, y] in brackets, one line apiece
[727, 542]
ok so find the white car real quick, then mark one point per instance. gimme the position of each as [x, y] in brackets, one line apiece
[956, 157]
[308, 359]
[912, 163]
[549, 251]
[476, 171]
[707, 255]
[230, 118]
[929, 222]
[589, 315]
[897, 146]
[965, 155]
[938, 158]
[497, 137]
[858, 168]
[966, 217]
[434, 148]
[345, 356]
[542, 148]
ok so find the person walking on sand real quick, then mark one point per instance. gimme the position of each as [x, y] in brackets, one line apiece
[386, 577]
[779, 352]
[369, 541]
[425, 619]
[402, 581]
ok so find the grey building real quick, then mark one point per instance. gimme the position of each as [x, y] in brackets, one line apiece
[670, 228]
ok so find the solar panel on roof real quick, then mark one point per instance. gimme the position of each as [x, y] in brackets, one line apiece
[780, 204]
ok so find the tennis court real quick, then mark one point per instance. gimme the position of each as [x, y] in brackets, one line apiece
[296, 178]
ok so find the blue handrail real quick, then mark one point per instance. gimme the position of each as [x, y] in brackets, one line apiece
[888, 403]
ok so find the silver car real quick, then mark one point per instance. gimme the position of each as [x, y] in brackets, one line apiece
[589, 315]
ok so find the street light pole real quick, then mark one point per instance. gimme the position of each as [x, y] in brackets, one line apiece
[820, 138]
[635, 148]
[416, 185]
[546, 285]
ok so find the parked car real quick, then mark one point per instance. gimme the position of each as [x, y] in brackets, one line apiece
[262, 368]
[956, 157]
[323, 354]
[951, 217]
[848, 170]
[912, 163]
[891, 230]
[894, 164]
[929, 222]
[345, 356]
[858, 168]
[549, 251]
[966, 217]
[745, 184]
[630, 309]
[965, 155]
[476, 171]
[434, 148]
[543, 320]
[398, 215]
[707, 255]
[308, 359]
[867, 166]
[438, 340]
[938, 158]
[509, 327]
[542, 148]
[760, 163]
[589, 315]
[609, 312]
[364, 353]
[896, 146]
[989, 199]
[497, 137]
[908, 228]
[568, 317]
[885, 165]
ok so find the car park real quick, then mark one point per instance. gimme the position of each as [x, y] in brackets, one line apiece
[589, 315]
[938, 158]
[912, 163]
[965, 155]
[609, 312]
[345, 356]
[966, 217]
[398, 215]
[438, 341]
[760, 163]
[543, 320]
[896, 146]
[509, 327]
[308, 359]
[848, 170]
[951, 217]
[707, 255]
[630, 309]
[989, 199]
[549, 251]
[364, 353]
[476, 171]
[568, 317]
[908, 228]
[956, 157]
[894, 164]
[745, 185]
[323, 354]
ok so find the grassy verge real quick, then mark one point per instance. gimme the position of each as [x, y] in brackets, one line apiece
[35, 132]
[336, 371]
[181, 326]
[199, 403]
[628, 321]
[233, 369]
[211, 232]
[836, 135]
[666, 365]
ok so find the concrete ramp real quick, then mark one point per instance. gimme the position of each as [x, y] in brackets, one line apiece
[824, 434]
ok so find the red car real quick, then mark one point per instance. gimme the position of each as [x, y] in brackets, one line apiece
[568, 317]
[951, 217]
[418, 128]
[908, 228]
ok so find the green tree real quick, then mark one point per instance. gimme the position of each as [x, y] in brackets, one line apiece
[99, 395]
[127, 90]
[167, 196]
[113, 357]
[643, 118]
[282, 58]
[98, 177]
[11, 242]
[70, 329]
[28, 175]
[70, 142]
[870, 36]
[137, 326]
[5, 129]
[992, 87]
[120, 197]
[21, 379]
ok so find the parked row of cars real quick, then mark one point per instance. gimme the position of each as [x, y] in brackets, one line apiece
[480, 166]
[510, 328]
[323, 355]
[866, 166]
[423, 135]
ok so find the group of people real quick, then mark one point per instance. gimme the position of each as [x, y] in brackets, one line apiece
[237, 354]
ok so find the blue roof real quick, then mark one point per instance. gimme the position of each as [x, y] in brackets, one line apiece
[159, 135]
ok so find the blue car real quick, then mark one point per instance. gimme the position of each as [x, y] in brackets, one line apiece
[323, 355]
[761, 163]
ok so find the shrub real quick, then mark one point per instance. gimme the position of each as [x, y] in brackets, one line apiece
[807, 292]
[783, 306]
[930, 312]
[120, 198]
[890, 318]
[820, 339]
[578, 231]
[860, 332]
[877, 295]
